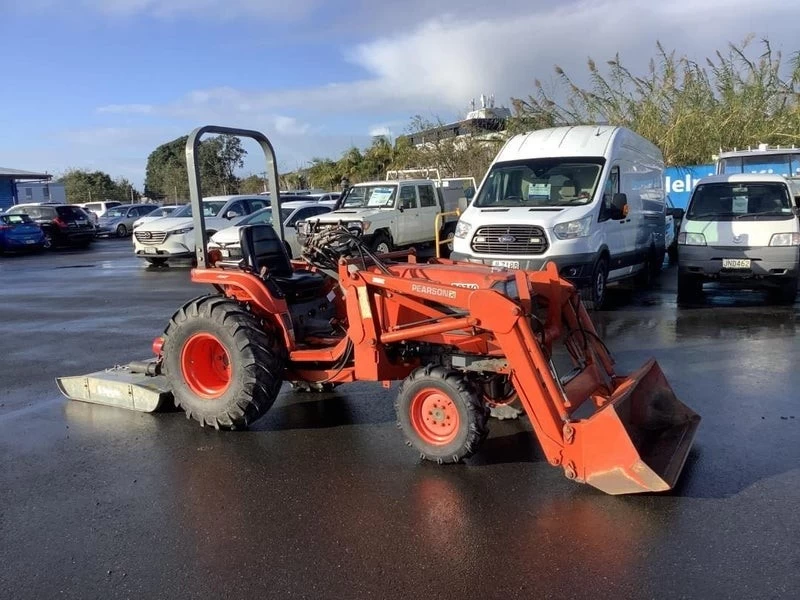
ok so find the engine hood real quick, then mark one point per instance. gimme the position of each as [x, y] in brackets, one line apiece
[545, 217]
[348, 214]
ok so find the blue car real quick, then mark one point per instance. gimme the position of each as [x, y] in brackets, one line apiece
[18, 232]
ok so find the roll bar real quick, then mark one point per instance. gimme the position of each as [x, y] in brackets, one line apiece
[196, 194]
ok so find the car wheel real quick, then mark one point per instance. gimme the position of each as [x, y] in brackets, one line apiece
[48, 242]
[786, 293]
[122, 231]
[381, 244]
[690, 288]
[673, 254]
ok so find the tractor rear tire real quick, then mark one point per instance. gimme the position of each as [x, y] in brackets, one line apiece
[441, 414]
[225, 364]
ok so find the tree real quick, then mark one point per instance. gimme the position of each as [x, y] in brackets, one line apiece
[324, 173]
[252, 184]
[218, 158]
[81, 185]
[689, 110]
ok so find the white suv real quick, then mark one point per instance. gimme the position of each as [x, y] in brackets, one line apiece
[173, 236]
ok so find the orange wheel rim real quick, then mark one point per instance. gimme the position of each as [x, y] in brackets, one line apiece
[434, 417]
[206, 366]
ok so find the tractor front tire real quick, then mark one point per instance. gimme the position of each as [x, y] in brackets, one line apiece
[225, 365]
[441, 414]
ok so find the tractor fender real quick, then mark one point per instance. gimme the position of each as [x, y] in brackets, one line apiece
[248, 288]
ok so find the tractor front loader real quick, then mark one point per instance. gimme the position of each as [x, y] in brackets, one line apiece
[453, 333]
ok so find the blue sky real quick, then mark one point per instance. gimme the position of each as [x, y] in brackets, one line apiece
[100, 83]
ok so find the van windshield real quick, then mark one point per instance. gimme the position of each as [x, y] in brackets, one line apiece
[541, 182]
[737, 201]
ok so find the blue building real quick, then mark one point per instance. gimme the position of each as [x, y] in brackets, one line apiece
[8, 185]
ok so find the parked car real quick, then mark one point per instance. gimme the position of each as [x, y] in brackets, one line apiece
[119, 220]
[63, 224]
[673, 228]
[20, 233]
[173, 237]
[99, 208]
[227, 240]
[326, 197]
[740, 230]
[159, 213]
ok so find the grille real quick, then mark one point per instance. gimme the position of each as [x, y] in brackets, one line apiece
[509, 239]
[150, 237]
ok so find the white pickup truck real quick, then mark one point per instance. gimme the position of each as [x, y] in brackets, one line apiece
[400, 211]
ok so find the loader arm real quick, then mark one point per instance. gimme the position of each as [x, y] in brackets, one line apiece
[639, 434]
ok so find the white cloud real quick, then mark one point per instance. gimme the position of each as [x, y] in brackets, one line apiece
[446, 61]
[171, 9]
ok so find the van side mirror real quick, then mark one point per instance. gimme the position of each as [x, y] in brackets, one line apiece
[232, 214]
[677, 213]
[469, 193]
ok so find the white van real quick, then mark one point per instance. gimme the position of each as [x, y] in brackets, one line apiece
[740, 229]
[589, 198]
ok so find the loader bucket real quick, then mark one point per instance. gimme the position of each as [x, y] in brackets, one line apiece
[118, 387]
[639, 441]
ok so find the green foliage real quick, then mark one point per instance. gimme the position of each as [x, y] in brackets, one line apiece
[253, 184]
[735, 99]
[218, 159]
[84, 186]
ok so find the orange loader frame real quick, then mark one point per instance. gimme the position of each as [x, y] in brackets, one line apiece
[635, 439]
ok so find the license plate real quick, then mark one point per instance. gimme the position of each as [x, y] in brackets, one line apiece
[30, 241]
[82, 222]
[508, 264]
[225, 252]
[151, 251]
[735, 263]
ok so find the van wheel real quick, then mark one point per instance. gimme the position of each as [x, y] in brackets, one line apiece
[690, 288]
[595, 295]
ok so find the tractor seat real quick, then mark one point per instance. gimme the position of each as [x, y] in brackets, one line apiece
[261, 248]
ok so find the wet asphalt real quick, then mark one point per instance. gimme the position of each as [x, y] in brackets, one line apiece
[322, 499]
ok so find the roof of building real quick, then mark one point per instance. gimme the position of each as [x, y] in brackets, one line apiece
[19, 174]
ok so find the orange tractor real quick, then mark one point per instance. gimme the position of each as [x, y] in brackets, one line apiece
[455, 334]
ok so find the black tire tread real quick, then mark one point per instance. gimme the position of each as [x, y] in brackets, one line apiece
[260, 349]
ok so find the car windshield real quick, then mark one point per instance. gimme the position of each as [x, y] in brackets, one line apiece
[372, 196]
[115, 212]
[15, 219]
[211, 208]
[265, 216]
[541, 182]
[735, 201]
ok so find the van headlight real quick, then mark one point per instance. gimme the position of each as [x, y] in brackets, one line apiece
[785, 239]
[691, 239]
[462, 229]
[574, 229]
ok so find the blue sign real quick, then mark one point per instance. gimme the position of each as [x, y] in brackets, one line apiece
[680, 181]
